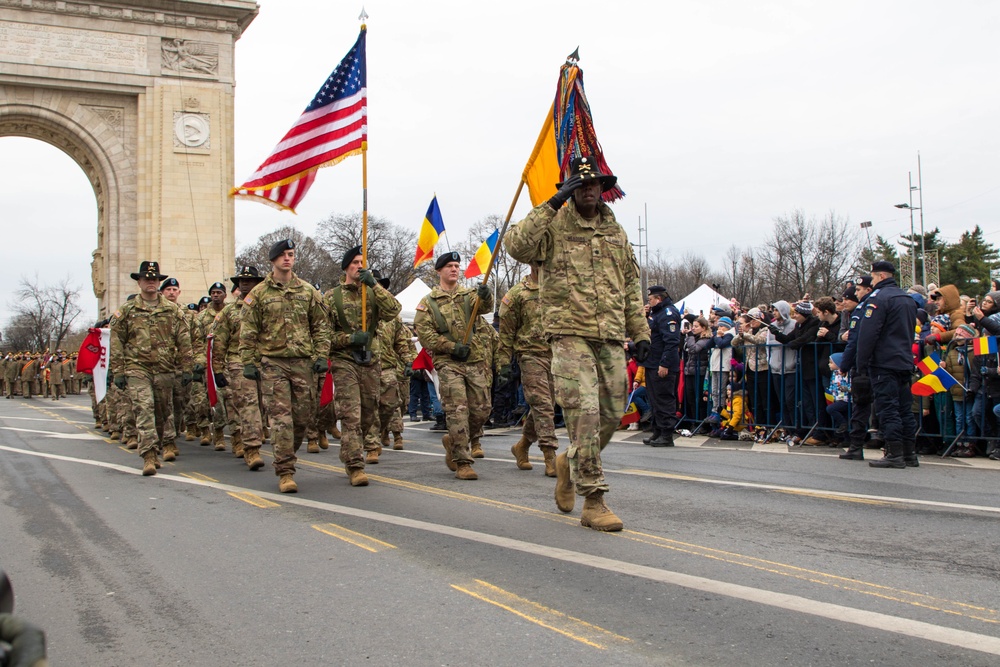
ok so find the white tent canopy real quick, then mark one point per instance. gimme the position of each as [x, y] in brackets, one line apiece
[410, 297]
[702, 300]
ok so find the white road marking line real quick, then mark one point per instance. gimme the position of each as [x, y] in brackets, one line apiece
[48, 419]
[835, 612]
[52, 434]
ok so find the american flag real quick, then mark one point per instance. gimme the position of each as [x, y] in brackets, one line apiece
[333, 127]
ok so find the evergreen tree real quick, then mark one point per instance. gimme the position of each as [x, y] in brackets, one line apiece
[968, 262]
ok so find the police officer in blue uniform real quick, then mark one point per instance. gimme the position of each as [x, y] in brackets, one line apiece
[861, 385]
[663, 365]
[884, 354]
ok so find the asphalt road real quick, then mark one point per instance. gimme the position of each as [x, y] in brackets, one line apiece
[729, 557]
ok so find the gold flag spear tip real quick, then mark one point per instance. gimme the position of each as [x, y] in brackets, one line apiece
[364, 15]
[574, 57]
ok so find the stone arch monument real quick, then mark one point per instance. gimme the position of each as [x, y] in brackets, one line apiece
[140, 95]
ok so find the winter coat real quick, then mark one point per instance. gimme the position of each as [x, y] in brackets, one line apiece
[696, 354]
[781, 358]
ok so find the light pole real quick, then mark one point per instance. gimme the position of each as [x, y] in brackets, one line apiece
[867, 225]
[913, 247]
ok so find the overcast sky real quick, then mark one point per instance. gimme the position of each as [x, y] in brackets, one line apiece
[716, 115]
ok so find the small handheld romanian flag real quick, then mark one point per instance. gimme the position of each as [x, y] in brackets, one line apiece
[984, 345]
[935, 380]
[631, 415]
[481, 259]
[430, 231]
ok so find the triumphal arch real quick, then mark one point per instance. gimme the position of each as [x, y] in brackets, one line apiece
[140, 94]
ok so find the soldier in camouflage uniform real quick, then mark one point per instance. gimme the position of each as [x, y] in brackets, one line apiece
[441, 320]
[489, 339]
[212, 420]
[396, 353]
[149, 340]
[522, 335]
[171, 290]
[591, 302]
[356, 370]
[228, 370]
[284, 340]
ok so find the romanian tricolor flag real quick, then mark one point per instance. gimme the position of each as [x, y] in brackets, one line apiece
[631, 415]
[935, 380]
[481, 259]
[430, 231]
[984, 345]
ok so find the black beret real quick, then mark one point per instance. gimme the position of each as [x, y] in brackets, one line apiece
[883, 265]
[169, 282]
[278, 248]
[349, 257]
[446, 259]
[218, 286]
[204, 300]
[192, 306]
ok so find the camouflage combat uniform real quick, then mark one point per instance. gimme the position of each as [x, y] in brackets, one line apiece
[184, 418]
[284, 330]
[226, 360]
[148, 342]
[591, 301]
[357, 385]
[464, 385]
[211, 421]
[396, 353]
[522, 335]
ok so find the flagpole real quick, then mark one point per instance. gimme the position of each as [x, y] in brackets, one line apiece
[364, 206]
[493, 257]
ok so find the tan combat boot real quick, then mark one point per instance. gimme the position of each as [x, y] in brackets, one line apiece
[477, 450]
[170, 452]
[252, 457]
[324, 442]
[371, 457]
[191, 434]
[520, 452]
[565, 497]
[357, 476]
[237, 440]
[312, 446]
[397, 440]
[448, 461]
[220, 441]
[335, 432]
[206, 437]
[149, 464]
[133, 443]
[384, 438]
[286, 484]
[115, 435]
[596, 514]
[465, 471]
[550, 461]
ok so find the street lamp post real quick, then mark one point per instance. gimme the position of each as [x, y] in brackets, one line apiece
[913, 247]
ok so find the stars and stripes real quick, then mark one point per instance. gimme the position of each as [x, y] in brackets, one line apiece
[333, 127]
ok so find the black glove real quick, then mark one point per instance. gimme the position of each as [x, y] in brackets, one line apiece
[321, 365]
[409, 372]
[220, 380]
[483, 291]
[27, 642]
[641, 350]
[359, 339]
[503, 376]
[861, 388]
[773, 328]
[251, 372]
[121, 382]
[186, 379]
[565, 192]
[366, 277]
[461, 352]
[110, 380]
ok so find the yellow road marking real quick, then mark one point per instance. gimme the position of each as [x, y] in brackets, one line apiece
[198, 475]
[550, 619]
[353, 537]
[833, 496]
[254, 499]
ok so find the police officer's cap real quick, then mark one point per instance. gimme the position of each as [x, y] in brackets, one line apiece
[658, 290]
[446, 259]
[169, 282]
[204, 301]
[349, 257]
[280, 247]
[864, 281]
[218, 286]
[883, 266]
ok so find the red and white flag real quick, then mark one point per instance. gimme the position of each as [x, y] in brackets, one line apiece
[213, 392]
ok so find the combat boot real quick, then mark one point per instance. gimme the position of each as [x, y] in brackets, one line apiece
[115, 435]
[384, 438]
[357, 476]
[206, 437]
[220, 441]
[312, 446]
[520, 452]
[324, 442]
[397, 440]
[237, 439]
[910, 454]
[371, 457]
[149, 463]
[855, 452]
[286, 484]
[191, 434]
[133, 443]
[170, 452]
[448, 461]
[550, 461]
[335, 432]
[893, 457]
[477, 450]
[596, 514]
[252, 457]
[565, 496]
[465, 471]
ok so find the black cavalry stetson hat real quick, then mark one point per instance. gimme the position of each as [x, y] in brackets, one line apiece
[587, 169]
[247, 273]
[149, 269]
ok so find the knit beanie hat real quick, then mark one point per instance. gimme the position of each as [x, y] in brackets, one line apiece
[725, 322]
[804, 308]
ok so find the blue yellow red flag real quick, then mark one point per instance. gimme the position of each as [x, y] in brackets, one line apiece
[481, 259]
[430, 231]
[985, 345]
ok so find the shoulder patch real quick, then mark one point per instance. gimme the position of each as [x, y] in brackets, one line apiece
[248, 300]
[506, 299]
[421, 306]
[118, 314]
[854, 323]
[869, 310]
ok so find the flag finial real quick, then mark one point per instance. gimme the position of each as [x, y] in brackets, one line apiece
[574, 57]
[363, 16]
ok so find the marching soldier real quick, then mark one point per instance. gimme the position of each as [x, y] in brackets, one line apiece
[440, 322]
[212, 419]
[396, 351]
[150, 338]
[284, 340]
[356, 371]
[522, 335]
